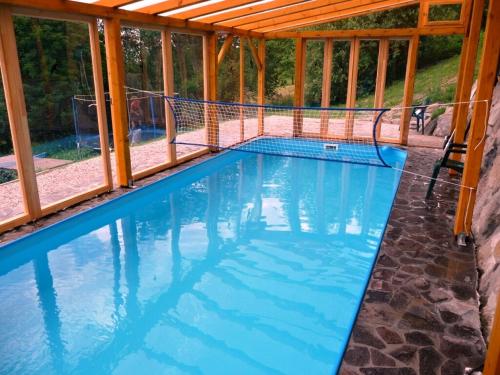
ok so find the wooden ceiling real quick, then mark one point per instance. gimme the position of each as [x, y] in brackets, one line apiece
[259, 16]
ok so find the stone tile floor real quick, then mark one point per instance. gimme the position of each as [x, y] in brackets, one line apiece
[420, 314]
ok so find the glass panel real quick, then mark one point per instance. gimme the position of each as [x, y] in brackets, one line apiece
[56, 69]
[145, 104]
[365, 89]
[394, 88]
[312, 85]
[338, 91]
[280, 71]
[228, 73]
[11, 200]
[187, 53]
[444, 12]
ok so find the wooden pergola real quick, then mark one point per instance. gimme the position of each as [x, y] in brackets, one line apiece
[251, 21]
[254, 22]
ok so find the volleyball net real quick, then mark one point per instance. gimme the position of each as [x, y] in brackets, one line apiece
[338, 134]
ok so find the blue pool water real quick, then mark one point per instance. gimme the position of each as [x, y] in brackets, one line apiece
[244, 264]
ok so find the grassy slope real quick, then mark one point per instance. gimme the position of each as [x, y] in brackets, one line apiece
[435, 83]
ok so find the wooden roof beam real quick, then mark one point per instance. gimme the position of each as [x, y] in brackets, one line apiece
[322, 16]
[224, 49]
[367, 33]
[72, 7]
[212, 8]
[163, 6]
[285, 10]
[232, 15]
[255, 54]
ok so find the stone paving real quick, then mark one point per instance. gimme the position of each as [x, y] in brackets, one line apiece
[420, 314]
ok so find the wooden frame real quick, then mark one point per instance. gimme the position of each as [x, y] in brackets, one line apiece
[18, 119]
[168, 87]
[383, 60]
[210, 88]
[17, 114]
[300, 55]
[425, 10]
[411, 68]
[261, 85]
[473, 159]
[352, 85]
[116, 79]
[326, 85]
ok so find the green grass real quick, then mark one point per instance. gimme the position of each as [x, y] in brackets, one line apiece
[435, 83]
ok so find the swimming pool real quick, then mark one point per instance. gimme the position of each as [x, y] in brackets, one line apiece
[245, 263]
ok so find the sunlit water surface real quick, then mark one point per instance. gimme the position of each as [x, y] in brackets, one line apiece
[245, 264]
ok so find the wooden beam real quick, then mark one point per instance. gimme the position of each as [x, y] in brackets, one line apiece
[165, 6]
[210, 80]
[255, 54]
[466, 73]
[168, 87]
[242, 90]
[492, 361]
[411, 67]
[74, 7]
[102, 120]
[17, 114]
[367, 33]
[300, 56]
[290, 10]
[229, 17]
[383, 59]
[224, 49]
[261, 85]
[485, 83]
[326, 84]
[319, 15]
[116, 81]
[211, 8]
[352, 85]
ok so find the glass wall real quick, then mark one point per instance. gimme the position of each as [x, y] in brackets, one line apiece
[56, 68]
[187, 53]
[145, 103]
[11, 200]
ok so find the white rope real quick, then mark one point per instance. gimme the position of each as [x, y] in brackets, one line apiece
[431, 178]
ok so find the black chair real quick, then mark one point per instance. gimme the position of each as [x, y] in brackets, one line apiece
[445, 162]
[419, 114]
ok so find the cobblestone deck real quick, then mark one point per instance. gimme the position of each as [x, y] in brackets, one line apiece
[420, 313]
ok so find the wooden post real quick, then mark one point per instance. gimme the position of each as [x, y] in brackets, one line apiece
[326, 85]
[168, 87]
[485, 83]
[18, 117]
[492, 361]
[224, 49]
[352, 87]
[466, 74]
[242, 89]
[102, 120]
[210, 86]
[298, 116]
[383, 58]
[116, 80]
[261, 85]
[411, 67]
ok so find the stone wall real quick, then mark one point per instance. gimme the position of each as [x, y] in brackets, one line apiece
[486, 222]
